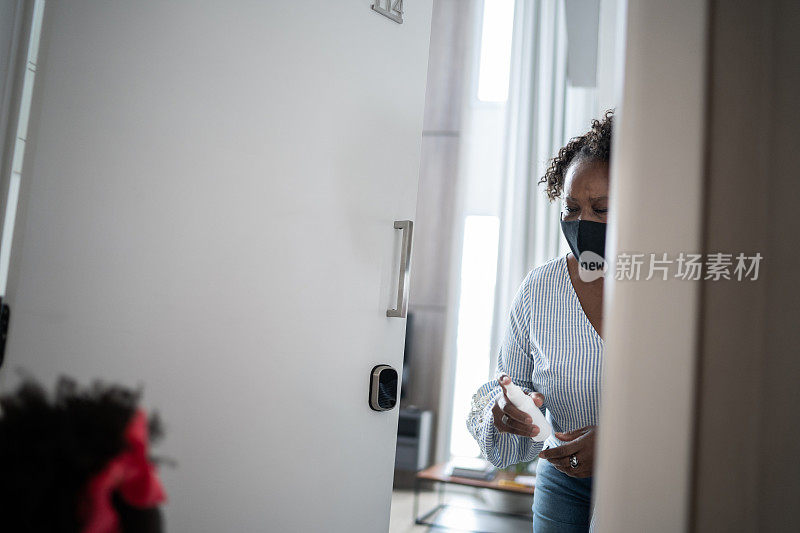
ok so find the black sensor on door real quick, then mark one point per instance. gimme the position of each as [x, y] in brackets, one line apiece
[383, 388]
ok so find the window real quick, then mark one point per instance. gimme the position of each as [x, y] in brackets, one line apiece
[474, 334]
[495, 58]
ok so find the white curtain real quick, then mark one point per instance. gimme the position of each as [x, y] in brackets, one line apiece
[544, 111]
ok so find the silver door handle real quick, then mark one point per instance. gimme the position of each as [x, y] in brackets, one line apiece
[401, 307]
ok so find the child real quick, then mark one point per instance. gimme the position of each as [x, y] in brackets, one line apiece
[77, 462]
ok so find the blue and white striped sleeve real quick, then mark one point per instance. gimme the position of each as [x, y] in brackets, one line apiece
[505, 449]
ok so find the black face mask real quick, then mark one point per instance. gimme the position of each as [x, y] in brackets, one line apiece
[585, 236]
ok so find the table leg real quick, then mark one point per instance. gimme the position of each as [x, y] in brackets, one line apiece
[416, 499]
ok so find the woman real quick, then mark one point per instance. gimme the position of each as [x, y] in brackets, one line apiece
[553, 348]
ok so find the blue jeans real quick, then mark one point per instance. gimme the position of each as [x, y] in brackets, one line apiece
[561, 504]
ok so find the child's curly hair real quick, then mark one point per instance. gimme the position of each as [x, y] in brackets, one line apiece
[594, 145]
[51, 447]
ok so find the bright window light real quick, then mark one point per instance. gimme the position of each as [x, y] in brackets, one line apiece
[474, 332]
[495, 62]
[8, 232]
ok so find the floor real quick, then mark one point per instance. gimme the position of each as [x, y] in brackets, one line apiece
[402, 519]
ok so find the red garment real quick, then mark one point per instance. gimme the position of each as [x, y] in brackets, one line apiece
[131, 474]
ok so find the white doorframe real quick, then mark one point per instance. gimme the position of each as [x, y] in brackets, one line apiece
[14, 107]
[643, 473]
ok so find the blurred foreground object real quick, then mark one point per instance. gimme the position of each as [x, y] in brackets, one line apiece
[77, 461]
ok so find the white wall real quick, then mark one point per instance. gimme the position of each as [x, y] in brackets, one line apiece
[8, 11]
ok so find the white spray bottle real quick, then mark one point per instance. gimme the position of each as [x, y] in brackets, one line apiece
[524, 403]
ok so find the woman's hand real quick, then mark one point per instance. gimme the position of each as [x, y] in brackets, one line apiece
[580, 445]
[509, 419]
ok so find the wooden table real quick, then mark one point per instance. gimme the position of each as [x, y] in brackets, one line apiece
[438, 475]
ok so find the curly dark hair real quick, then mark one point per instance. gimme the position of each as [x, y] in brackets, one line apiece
[594, 145]
[51, 448]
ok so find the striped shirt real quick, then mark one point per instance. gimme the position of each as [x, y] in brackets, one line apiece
[549, 347]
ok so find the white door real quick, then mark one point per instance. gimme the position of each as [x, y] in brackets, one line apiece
[207, 210]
